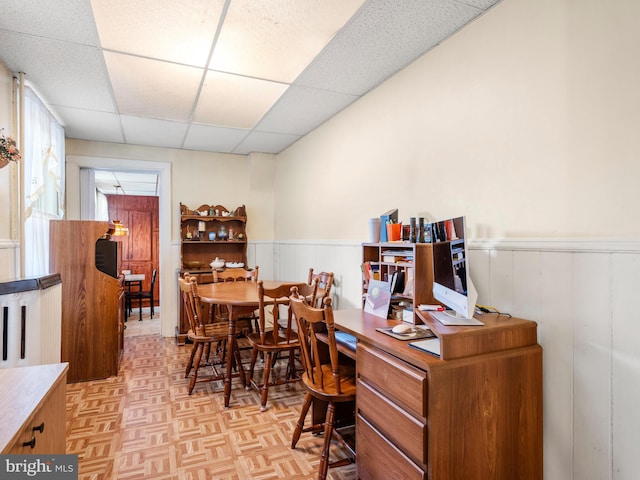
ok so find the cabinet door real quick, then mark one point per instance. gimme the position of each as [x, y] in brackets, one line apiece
[50, 418]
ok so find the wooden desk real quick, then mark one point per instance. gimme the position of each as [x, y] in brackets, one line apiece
[234, 295]
[474, 413]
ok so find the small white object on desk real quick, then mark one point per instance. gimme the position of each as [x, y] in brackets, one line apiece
[407, 315]
[432, 308]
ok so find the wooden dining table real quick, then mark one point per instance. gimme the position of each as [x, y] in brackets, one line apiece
[234, 295]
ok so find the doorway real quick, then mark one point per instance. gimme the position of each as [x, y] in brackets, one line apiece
[79, 196]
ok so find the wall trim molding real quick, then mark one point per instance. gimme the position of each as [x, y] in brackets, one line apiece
[589, 245]
[7, 243]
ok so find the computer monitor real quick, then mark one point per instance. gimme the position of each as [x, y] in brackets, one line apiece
[452, 285]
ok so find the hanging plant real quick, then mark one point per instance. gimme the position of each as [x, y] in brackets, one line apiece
[8, 150]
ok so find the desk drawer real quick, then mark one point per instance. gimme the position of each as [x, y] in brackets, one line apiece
[396, 378]
[378, 459]
[401, 428]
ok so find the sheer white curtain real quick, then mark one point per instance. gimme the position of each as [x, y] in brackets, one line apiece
[44, 181]
[102, 208]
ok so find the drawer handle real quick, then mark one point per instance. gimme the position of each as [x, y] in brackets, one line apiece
[39, 428]
[31, 443]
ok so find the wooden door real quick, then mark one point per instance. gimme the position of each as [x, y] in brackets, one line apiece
[140, 248]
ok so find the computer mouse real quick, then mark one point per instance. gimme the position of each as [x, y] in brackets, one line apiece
[402, 328]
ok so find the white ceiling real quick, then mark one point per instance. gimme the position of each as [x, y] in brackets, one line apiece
[234, 76]
[127, 183]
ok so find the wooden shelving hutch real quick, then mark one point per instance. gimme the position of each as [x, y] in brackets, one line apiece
[227, 229]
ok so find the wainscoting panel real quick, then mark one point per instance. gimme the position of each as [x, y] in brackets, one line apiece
[625, 359]
[592, 365]
[584, 297]
[555, 334]
[293, 260]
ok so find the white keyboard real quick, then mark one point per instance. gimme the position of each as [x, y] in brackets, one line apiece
[446, 318]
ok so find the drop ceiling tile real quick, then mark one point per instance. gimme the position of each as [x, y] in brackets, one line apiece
[70, 74]
[90, 124]
[265, 142]
[180, 32]
[277, 40]
[132, 183]
[56, 19]
[137, 177]
[56, 44]
[303, 109]
[235, 101]
[381, 39]
[150, 131]
[213, 139]
[151, 88]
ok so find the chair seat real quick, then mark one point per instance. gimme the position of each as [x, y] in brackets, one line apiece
[328, 392]
[212, 332]
[271, 344]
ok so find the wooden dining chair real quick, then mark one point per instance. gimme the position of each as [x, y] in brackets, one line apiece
[325, 282]
[278, 337]
[325, 379]
[150, 294]
[203, 335]
[247, 318]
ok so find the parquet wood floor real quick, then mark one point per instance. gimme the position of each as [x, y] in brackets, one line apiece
[142, 424]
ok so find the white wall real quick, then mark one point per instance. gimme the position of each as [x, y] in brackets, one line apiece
[525, 121]
[8, 183]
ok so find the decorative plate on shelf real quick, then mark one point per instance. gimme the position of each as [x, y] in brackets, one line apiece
[234, 265]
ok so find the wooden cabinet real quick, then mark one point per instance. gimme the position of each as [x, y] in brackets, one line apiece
[219, 233]
[207, 232]
[140, 247]
[413, 260]
[474, 413]
[33, 415]
[92, 310]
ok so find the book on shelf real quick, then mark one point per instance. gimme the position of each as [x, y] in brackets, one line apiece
[401, 253]
[388, 217]
[397, 282]
[367, 273]
[408, 282]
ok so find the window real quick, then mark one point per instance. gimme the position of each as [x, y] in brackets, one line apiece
[43, 154]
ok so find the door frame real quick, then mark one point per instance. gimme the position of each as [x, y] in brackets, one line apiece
[74, 191]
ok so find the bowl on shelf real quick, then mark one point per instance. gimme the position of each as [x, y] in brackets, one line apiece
[194, 264]
[217, 263]
[234, 264]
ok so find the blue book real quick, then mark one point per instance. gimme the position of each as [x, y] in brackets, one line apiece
[390, 216]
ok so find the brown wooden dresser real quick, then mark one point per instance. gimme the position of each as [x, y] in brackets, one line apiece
[474, 413]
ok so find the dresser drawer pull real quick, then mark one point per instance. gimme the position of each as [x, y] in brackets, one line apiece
[31, 443]
[39, 428]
